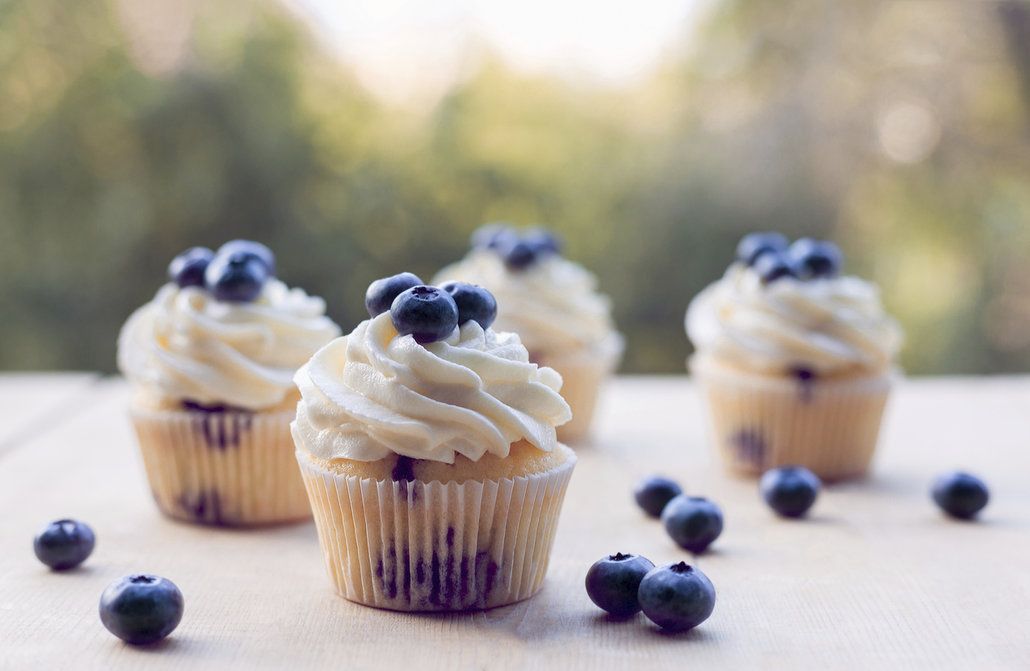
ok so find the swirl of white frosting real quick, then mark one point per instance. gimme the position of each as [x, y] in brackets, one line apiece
[827, 326]
[185, 345]
[373, 393]
[553, 305]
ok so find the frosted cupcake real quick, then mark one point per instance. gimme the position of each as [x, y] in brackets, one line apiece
[427, 443]
[795, 361]
[553, 305]
[211, 361]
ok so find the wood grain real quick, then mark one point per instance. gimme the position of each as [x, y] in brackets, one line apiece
[875, 579]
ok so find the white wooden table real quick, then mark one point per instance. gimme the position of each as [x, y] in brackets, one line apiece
[877, 578]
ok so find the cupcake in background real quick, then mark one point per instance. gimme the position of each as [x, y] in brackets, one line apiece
[795, 360]
[210, 361]
[554, 306]
[427, 443]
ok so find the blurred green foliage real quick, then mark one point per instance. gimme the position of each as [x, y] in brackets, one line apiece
[900, 129]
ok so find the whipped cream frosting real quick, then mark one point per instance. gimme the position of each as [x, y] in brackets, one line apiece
[185, 345]
[373, 393]
[826, 326]
[553, 305]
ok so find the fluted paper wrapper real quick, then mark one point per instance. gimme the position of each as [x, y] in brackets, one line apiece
[415, 546]
[583, 376]
[227, 468]
[760, 422]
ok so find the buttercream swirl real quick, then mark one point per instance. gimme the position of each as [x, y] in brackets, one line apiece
[553, 305]
[185, 345]
[373, 393]
[826, 326]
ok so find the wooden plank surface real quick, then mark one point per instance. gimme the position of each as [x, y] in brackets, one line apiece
[876, 579]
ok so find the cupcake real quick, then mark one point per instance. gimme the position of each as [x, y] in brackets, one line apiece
[794, 360]
[553, 305]
[428, 446]
[210, 361]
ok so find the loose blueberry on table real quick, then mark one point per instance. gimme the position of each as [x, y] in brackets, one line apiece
[612, 582]
[381, 293]
[816, 258]
[790, 490]
[187, 269]
[426, 313]
[64, 544]
[654, 493]
[960, 495]
[141, 609]
[755, 245]
[693, 522]
[474, 303]
[676, 597]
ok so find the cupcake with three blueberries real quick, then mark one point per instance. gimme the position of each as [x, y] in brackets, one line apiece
[428, 446]
[210, 361]
[795, 360]
[554, 306]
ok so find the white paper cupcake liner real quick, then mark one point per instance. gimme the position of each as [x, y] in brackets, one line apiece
[228, 468]
[583, 376]
[415, 546]
[758, 422]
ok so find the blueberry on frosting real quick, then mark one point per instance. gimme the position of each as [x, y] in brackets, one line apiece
[382, 292]
[493, 236]
[236, 277]
[754, 245]
[251, 248]
[772, 266]
[816, 258]
[474, 303]
[426, 313]
[187, 269]
[518, 250]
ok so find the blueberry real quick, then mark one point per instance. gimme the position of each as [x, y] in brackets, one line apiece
[141, 609]
[676, 597]
[755, 245]
[653, 493]
[772, 266]
[427, 313]
[816, 258]
[612, 582]
[187, 269]
[253, 248]
[381, 293]
[960, 495]
[519, 255]
[474, 303]
[64, 544]
[543, 241]
[693, 522]
[790, 490]
[237, 277]
[494, 236]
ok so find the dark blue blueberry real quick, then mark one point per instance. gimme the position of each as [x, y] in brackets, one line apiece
[381, 293]
[496, 235]
[474, 303]
[653, 493]
[64, 544]
[693, 522]
[960, 495]
[427, 313]
[141, 609]
[187, 269]
[543, 241]
[519, 255]
[253, 248]
[790, 490]
[816, 258]
[772, 266]
[676, 597]
[612, 582]
[237, 277]
[755, 245]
